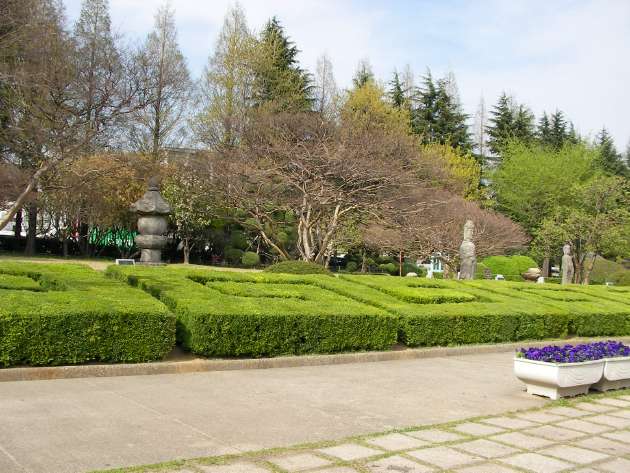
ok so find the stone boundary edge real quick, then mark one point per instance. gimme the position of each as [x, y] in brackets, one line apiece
[201, 365]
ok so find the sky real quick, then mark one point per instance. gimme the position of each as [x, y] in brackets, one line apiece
[571, 55]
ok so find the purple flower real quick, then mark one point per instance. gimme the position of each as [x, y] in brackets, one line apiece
[575, 354]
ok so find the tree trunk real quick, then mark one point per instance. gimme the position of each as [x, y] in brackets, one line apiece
[31, 236]
[186, 249]
[17, 231]
[586, 278]
[84, 243]
[64, 245]
[545, 267]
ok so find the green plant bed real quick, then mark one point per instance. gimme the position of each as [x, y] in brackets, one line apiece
[263, 314]
[297, 267]
[71, 314]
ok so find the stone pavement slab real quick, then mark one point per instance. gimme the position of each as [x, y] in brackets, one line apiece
[395, 442]
[619, 465]
[444, 457]
[98, 423]
[604, 445]
[537, 463]
[485, 448]
[610, 420]
[435, 435]
[557, 434]
[613, 402]
[593, 407]
[486, 468]
[349, 451]
[240, 467]
[573, 454]
[567, 411]
[397, 464]
[473, 428]
[509, 422]
[521, 440]
[299, 462]
[583, 426]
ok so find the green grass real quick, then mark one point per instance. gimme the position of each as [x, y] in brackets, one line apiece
[65, 314]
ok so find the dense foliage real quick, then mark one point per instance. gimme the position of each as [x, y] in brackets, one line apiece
[297, 267]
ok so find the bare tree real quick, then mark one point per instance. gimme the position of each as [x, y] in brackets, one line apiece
[227, 84]
[479, 129]
[166, 88]
[326, 92]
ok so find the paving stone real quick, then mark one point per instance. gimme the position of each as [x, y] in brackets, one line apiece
[299, 462]
[592, 407]
[619, 465]
[613, 402]
[339, 469]
[585, 470]
[537, 463]
[541, 417]
[622, 413]
[486, 448]
[509, 422]
[583, 426]
[567, 411]
[472, 428]
[574, 454]
[618, 422]
[554, 433]
[444, 457]
[349, 451]
[397, 464]
[605, 445]
[240, 467]
[435, 435]
[622, 436]
[625, 398]
[397, 442]
[179, 471]
[523, 441]
[486, 468]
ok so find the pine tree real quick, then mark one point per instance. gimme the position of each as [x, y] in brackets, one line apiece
[396, 92]
[558, 130]
[424, 115]
[572, 135]
[609, 160]
[524, 128]
[543, 133]
[363, 74]
[501, 127]
[450, 124]
[279, 78]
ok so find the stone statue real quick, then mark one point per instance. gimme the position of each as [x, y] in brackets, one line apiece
[152, 210]
[567, 265]
[467, 257]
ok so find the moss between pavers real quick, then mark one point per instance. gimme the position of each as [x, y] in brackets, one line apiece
[261, 456]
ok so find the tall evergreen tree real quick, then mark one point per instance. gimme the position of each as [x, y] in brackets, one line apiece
[543, 132]
[558, 129]
[524, 127]
[279, 78]
[396, 92]
[501, 124]
[450, 126]
[363, 74]
[424, 115]
[609, 160]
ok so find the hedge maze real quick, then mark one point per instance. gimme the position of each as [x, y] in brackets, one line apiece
[53, 314]
[63, 314]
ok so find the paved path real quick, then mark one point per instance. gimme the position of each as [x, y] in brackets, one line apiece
[77, 425]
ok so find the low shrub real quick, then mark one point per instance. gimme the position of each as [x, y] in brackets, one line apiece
[76, 315]
[250, 259]
[621, 278]
[389, 268]
[233, 255]
[414, 268]
[508, 266]
[352, 266]
[297, 267]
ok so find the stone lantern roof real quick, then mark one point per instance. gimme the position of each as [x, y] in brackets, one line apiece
[152, 202]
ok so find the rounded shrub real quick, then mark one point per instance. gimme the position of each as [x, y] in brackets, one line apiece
[389, 268]
[297, 267]
[233, 255]
[352, 266]
[250, 259]
[508, 265]
[413, 268]
[621, 278]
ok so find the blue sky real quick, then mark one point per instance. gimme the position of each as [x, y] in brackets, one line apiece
[573, 55]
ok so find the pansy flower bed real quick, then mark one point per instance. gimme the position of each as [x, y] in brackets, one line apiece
[560, 371]
[575, 353]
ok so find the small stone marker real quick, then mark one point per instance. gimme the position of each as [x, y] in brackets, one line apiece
[487, 273]
[125, 261]
[152, 210]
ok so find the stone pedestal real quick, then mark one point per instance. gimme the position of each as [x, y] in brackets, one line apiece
[152, 211]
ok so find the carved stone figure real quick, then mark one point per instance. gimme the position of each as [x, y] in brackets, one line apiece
[532, 274]
[567, 265]
[152, 210]
[467, 256]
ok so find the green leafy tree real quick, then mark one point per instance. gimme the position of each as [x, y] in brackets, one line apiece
[279, 79]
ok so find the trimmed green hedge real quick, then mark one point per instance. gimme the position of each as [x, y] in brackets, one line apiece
[511, 267]
[262, 314]
[297, 267]
[64, 314]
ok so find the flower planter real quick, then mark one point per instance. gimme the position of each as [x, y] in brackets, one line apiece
[616, 374]
[556, 380]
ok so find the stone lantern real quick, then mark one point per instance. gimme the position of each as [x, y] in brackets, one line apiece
[152, 210]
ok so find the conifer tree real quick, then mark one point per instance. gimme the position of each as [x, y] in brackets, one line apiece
[501, 127]
[450, 124]
[558, 129]
[543, 133]
[609, 160]
[279, 78]
[363, 74]
[524, 128]
[424, 115]
[396, 92]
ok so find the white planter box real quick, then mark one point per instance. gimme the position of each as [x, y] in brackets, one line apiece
[556, 380]
[616, 374]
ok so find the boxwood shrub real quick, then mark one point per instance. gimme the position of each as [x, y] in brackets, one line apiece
[72, 314]
[297, 267]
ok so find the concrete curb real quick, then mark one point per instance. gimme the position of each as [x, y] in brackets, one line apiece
[201, 365]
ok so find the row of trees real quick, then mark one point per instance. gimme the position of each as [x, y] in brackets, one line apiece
[282, 162]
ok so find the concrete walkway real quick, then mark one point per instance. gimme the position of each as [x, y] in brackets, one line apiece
[77, 425]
